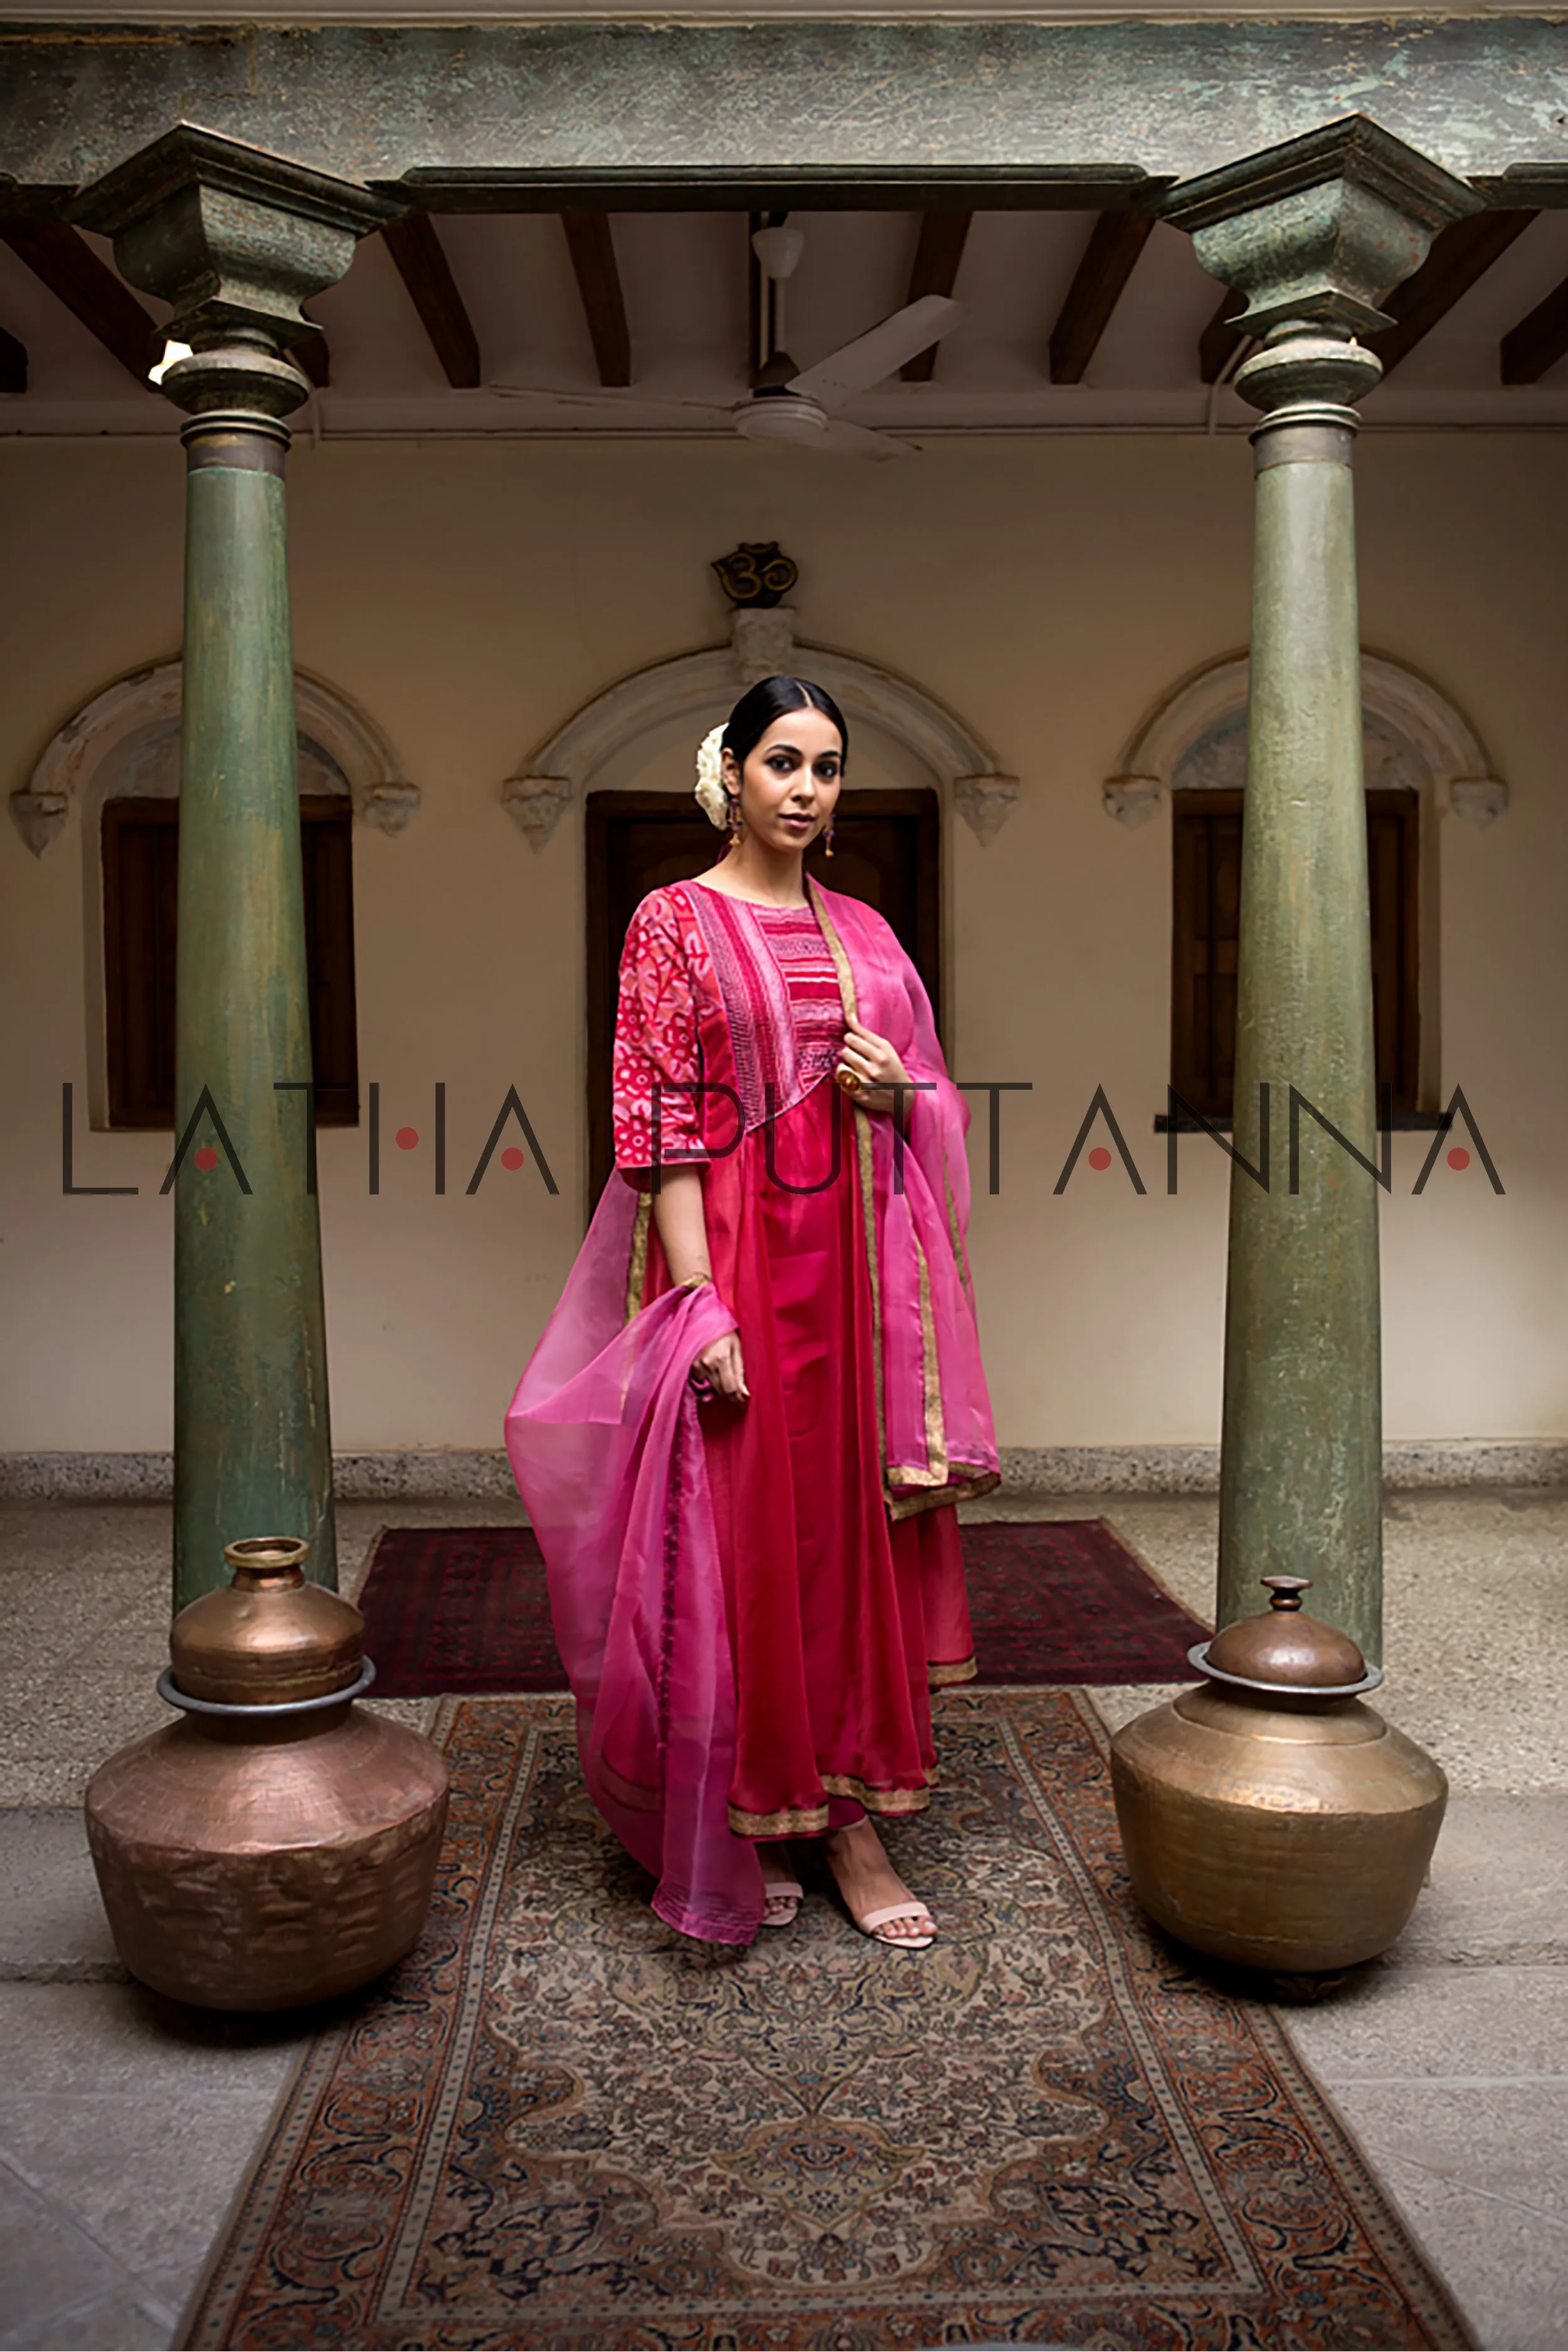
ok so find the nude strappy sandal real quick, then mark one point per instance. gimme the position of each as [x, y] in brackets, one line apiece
[871, 1923]
[777, 1894]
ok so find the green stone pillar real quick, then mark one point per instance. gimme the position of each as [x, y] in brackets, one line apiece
[1312, 232]
[235, 240]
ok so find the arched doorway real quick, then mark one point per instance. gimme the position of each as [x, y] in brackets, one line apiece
[629, 753]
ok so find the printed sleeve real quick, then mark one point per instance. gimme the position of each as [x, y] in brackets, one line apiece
[658, 1059]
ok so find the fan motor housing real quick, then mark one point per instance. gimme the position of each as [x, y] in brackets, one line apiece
[781, 416]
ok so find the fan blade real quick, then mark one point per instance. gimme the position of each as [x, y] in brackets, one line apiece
[843, 440]
[862, 363]
[614, 404]
[535, 391]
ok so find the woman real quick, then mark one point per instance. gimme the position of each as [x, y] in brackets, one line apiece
[742, 1434]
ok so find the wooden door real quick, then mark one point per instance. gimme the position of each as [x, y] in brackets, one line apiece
[886, 850]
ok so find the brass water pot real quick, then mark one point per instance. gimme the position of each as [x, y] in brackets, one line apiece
[277, 1844]
[1270, 1817]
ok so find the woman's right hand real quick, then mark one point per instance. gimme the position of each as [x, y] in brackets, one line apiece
[720, 1366]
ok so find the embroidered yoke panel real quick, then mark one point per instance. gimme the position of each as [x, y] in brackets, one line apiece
[780, 996]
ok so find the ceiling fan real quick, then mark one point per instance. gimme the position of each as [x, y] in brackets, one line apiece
[799, 406]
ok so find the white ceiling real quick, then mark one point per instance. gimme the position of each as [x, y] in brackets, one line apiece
[686, 284]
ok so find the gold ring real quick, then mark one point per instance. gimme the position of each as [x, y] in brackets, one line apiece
[850, 1080]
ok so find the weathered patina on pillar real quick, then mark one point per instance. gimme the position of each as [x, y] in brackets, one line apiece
[234, 239]
[1312, 232]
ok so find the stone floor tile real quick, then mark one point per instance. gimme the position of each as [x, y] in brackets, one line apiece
[72, 1535]
[1506, 2265]
[148, 2177]
[1440, 2025]
[1119, 1703]
[55, 1730]
[1486, 1703]
[92, 2038]
[1507, 2142]
[1499, 1889]
[51, 1920]
[46, 2262]
[110, 2323]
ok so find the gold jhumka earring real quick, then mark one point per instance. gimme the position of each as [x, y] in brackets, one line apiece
[732, 824]
[828, 840]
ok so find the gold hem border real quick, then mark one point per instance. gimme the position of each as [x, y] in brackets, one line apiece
[966, 1670]
[810, 1820]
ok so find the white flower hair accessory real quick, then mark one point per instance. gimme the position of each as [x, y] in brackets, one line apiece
[712, 798]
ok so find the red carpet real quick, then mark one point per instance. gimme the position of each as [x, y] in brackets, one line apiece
[464, 1610]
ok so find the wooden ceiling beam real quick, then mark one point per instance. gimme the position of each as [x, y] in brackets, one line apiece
[61, 258]
[592, 250]
[1460, 256]
[416, 248]
[1219, 338]
[943, 237]
[1114, 244]
[1539, 341]
[12, 363]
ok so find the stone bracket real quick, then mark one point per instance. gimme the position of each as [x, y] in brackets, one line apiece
[1131, 800]
[1477, 801]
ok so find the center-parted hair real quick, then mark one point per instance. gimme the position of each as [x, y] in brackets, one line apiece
[775, 697]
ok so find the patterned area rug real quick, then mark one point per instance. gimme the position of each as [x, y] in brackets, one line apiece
[464, 1610]
[560, 2125]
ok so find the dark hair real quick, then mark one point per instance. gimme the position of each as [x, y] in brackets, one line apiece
[775, 697]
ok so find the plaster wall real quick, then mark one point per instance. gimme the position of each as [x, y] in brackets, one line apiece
[1050, 590]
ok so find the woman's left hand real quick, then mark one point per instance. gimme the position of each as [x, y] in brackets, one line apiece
[874, 1063]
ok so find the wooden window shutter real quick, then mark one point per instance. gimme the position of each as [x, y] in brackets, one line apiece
[140, 875]
[1207, 885]
[1208, 858]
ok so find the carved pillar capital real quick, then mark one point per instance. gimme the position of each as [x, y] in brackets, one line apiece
[1312, 232]
[235, 240]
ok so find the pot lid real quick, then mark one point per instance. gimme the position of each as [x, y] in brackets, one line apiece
[268, 1636]
[1284, 1649]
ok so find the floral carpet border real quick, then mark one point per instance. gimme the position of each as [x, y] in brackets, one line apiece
[511, 2142]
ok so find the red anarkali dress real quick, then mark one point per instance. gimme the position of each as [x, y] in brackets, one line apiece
[825, 1502]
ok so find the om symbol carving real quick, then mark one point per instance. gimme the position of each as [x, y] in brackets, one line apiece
[756, 574]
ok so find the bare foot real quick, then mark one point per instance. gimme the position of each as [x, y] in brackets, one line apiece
[868, 1881]
[781, 1888]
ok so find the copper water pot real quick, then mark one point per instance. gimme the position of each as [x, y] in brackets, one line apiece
[277, 1844]
[1270, 1817]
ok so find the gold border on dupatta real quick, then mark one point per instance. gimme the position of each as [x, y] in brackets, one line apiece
[931, 1495]
[962, 1489]
[864, 1162]
[936, 1470]
[637, 1264]
[960, 1252]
